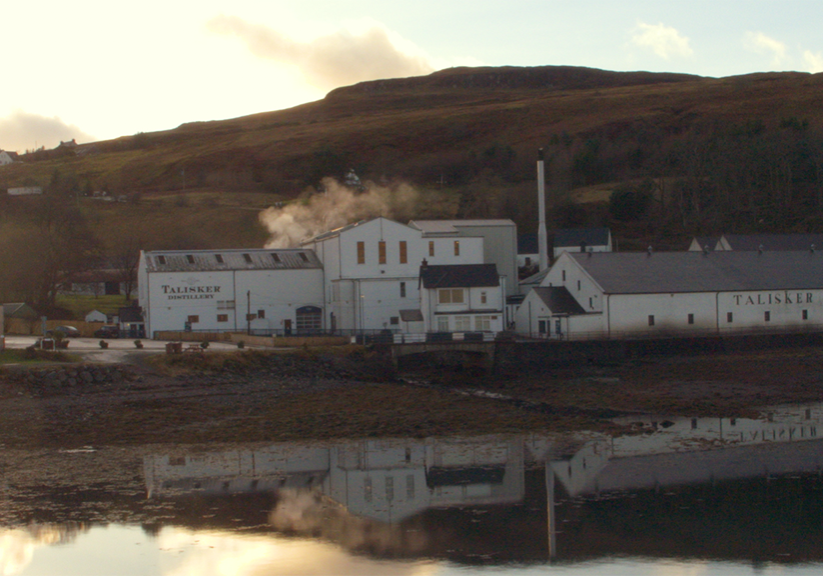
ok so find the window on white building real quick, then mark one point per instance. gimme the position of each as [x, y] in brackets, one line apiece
[483, 323]
[483, 298]
[805, 314]
[729, 317]
[443, 324]
[457, 247]
[222, 317]
[402, 289]
[767, 316]
[404, 252]
[691, 318]
[261, 314]
[381, 252]
[193, 319]
[361, 252]
[462, 323]
[651, 319]
[450, 296]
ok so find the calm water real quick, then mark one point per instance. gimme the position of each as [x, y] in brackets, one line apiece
[677, 496]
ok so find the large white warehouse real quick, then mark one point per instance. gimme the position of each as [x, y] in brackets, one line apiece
[625, 295]
[231, 290]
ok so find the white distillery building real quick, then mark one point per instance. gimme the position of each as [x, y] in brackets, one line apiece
[646, 295]
[372, 271]
[462, 298]
[499, 243]
[231, 290]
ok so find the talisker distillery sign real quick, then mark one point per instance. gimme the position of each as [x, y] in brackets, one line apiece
[190, 292]
[774, 298]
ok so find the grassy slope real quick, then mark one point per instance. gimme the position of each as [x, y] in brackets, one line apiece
[397, 129]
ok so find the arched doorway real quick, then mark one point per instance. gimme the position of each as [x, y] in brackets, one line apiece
[309, 320]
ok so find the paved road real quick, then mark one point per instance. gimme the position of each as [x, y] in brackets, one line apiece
[118, 351]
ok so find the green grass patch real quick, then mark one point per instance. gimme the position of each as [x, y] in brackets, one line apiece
[34, 356]
[79, 304]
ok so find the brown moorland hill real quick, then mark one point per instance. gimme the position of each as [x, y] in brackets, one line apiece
[421, 129]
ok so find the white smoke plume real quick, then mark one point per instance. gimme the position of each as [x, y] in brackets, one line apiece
[310, 512]
[334, 60]
[21, 130]
[336, 207]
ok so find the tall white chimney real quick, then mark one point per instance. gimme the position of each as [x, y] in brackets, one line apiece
[542, 237]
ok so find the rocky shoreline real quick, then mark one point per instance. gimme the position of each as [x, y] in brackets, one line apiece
[257, 396]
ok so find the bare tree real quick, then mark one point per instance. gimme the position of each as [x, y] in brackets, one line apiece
[124, 259]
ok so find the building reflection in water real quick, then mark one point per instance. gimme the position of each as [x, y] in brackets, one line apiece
[359, 493]
[669, 488]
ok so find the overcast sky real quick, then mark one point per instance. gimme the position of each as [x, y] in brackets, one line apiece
[96, 70]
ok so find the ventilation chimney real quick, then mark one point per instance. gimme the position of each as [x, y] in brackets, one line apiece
[542, 236]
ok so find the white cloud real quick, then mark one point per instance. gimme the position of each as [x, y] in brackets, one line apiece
[663, 40]
[814, 62]
[21, 130]
[340, 58]
[762, 44]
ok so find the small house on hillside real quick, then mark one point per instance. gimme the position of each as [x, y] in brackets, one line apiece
[20, 310]
[97, 283]
[582, 240]
[7, 157]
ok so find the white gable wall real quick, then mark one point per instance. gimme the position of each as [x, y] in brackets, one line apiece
[366, 295]
[580, 285]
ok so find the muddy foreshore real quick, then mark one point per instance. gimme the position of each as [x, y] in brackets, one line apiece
[253, 396]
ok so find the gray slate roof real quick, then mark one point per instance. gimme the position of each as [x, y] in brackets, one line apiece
[559, 300]
[459, 276]
[783, 242]
[724, 271]
[210, 260]
[568, 237]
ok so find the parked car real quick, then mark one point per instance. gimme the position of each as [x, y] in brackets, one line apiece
[67, 331]
[107, 332]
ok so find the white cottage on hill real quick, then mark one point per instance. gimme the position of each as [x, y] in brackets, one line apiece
[642, 295]
[237, 290]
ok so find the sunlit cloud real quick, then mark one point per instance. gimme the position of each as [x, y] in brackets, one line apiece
[22, 130]
[338, 59]
[814, 62]
[663, 40]
[761, 44]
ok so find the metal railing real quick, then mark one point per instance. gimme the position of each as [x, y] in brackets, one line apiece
[669, 333]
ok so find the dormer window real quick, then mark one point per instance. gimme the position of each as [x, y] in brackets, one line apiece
[189, 258]
[247, 258]
[303, 257]
[161, 259]
[275, 257]
[219, 258]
